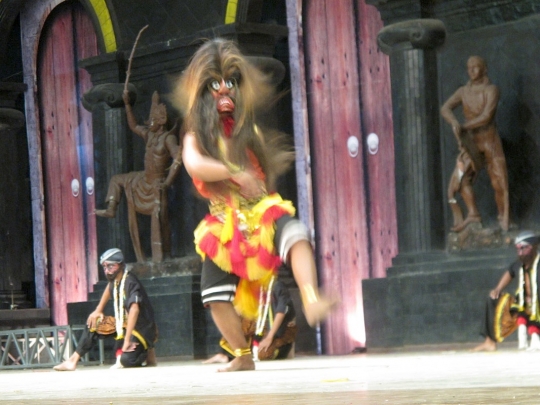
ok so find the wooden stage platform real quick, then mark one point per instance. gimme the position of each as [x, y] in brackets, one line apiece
[434, 375]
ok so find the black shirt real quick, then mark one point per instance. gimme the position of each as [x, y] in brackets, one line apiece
[282, 302]
[134, 292]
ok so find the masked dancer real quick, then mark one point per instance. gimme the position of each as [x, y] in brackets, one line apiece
[234, 162]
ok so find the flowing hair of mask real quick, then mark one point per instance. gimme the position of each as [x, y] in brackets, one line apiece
[221, 59]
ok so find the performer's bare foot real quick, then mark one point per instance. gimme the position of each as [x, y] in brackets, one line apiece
[291, 352]
[151, 358]
[217, 358]
[118, 365]
[469, 220]
[487, 346]
[67, 365]
[242, 363]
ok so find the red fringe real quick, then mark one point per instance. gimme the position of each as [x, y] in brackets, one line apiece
[239, 248]
[210, 219]
[238, 261]
[271, 214]
[209, 244]
[267, 259]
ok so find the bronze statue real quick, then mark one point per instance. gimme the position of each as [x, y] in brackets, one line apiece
[479, 144]
[146, 191]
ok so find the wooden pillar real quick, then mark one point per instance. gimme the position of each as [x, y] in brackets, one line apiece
[333, 88]
[376, 97]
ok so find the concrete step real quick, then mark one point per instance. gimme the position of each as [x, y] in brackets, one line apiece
[424, 264]
[24, 318]
[441, 255]
[154, 290]
[157, 285]
[431, 303]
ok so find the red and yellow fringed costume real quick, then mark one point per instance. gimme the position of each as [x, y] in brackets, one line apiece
[238, 236]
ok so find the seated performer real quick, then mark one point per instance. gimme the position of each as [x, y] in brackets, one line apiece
[504, 313]
[234, 162]
[134, 327]
[272, 335]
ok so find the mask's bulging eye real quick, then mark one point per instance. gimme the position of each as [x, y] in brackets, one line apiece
[215, 85]
[229, 83]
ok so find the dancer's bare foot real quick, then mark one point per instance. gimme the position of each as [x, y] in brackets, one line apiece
[151, 360]
[67, 365]
[291, 352]
[487, 346]
[217, 358]
[242, 363]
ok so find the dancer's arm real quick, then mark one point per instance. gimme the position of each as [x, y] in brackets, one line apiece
[208, 169]
[269, 338]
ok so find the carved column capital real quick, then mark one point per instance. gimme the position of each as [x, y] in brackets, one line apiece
[420, 33]
[109, 93]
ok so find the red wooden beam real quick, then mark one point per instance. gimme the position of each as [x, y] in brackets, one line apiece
[376, 99]
[340, 199]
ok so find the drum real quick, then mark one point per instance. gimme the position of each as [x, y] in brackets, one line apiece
[505, 322]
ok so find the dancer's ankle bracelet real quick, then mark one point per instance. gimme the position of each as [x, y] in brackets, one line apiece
[242, 352]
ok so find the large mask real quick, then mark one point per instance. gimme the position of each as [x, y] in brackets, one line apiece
[224, 93]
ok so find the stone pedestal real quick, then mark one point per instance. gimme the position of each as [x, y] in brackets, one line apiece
[432, 298]
[474, 236]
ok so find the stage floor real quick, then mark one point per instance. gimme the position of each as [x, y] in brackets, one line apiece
[430, 376]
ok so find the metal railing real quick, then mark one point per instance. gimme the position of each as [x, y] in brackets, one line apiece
[41, 347]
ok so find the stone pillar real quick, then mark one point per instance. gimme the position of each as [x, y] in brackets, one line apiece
[410, 45]
[16, 262]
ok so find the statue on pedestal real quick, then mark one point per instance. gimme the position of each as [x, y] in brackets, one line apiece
[479, 146]
[146, 190]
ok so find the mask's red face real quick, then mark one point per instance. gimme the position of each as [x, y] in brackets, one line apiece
[224, 92]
